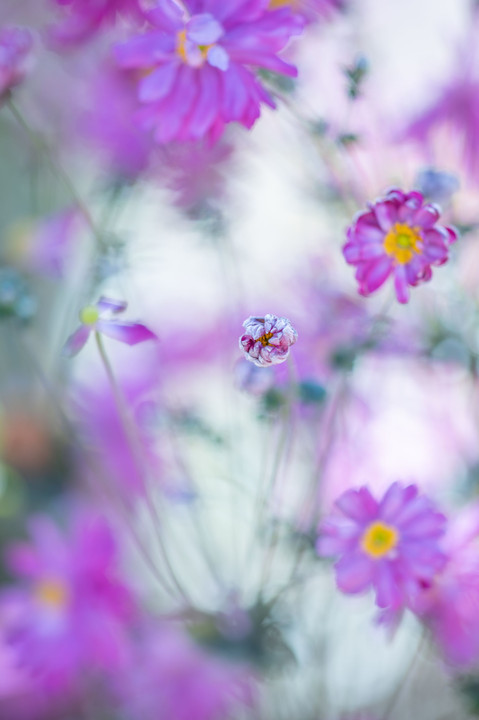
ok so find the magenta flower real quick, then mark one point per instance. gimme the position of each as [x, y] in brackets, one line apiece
[72, 610]
[267, 339]
[196, 64]
[130, 333]
[84, 18]
[449, 605]
[391, 545]
[397, 236]
[15, 56]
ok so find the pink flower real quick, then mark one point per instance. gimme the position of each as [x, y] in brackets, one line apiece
[196, 64]
[130, 333]
[84, 18]
[15, 55]
[397, 236]
[449, 606]
[391, 545]
[72, 610]
[267, 339]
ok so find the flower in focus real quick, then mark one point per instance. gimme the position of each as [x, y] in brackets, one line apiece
[267, 339]
[15, 55]
[391, 545]
[130, 333]
[449, 606]
[84, 18]
[72, 610]
[195, 65]
[397, 236]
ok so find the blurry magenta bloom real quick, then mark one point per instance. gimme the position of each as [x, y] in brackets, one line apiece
[172, 673]
[397, 236]
[51, 243]
[195, 64]
[81, 19]
[391, 545]
[450, 605]
[15, 55]
[267, 339]
[436, 185]
[72, 611]
[129, 333]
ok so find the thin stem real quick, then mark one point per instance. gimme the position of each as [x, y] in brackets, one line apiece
[137, 452]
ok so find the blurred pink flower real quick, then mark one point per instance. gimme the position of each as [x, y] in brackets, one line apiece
[72, 611]
[397, 236]
[391, 545]
[130, 333]
[172, 673]
[267, 339]
[450, 604]
[52, 242]
[81, 19]
[195, 64]
[16, 45]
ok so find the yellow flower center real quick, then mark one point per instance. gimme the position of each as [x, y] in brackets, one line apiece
[181, 48]
[273, 4]
[379, 539]
[89, 315]
[402, 242]
[51, 593]
[264, 339]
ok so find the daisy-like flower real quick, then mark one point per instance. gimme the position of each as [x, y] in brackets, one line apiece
[196, 64]
[391, 545]
[130, 333]
[267, 339]
[398, 235]
[15, 55]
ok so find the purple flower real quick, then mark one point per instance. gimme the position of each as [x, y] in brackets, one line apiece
[196, 64]
[84, 18]
[310, 9]
[15, 55]
[397, 236]
[130, 333]
[391, 545]
[267, 339]
[72, 610]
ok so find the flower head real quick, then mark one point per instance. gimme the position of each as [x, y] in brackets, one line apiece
[91, 320]
[391, 545]
[267, 339]
[15, 54]
[196, 64]
[72, 609]
[397, 236]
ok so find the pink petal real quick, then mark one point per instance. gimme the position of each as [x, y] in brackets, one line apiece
[105, 304]
[354, 573]
[125, 332]
[357, 504]
[387, 593]
[76, 341]
[158, 83]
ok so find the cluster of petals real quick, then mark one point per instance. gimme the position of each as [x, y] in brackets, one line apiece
[81, 19]
[311, 9]
[397, 236]
[196, 62]
[130, 333]
[16, 45]
[391, 545]
[267, 340]
[72, 611]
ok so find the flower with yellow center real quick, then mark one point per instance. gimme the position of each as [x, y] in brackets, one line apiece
[379, 539]
[402, 242]
[264, 339]
[51, 593]
[181, 49]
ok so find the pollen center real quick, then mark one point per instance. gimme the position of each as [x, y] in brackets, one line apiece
[89, 315]
[195, 59]
[51, 593]
[379, 539]
[402, 242]
[264, 339]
